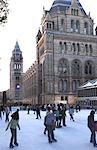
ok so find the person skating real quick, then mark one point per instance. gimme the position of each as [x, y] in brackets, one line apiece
[38, 112]
[57, 118]
[45, 125]
[13, 124]
[50, 123]
[28, 109]
[71, 112]
[7, 111]
[64, 115]
[91, 126]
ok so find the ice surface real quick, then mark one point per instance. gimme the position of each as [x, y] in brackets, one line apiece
[75, 136]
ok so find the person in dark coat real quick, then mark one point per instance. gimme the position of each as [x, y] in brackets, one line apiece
[28, 109]
[64, 115]
[91, 126]
[38, 112]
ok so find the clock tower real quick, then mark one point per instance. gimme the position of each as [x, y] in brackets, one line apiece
[16, 71]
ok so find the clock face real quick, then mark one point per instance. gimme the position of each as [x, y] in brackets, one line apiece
[18, 86]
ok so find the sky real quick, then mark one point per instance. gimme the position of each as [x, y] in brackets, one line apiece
[24, 20]
[75, 136]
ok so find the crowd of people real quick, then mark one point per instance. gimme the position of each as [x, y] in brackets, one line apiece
[55, 117]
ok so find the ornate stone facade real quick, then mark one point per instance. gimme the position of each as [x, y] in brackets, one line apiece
[66, 51]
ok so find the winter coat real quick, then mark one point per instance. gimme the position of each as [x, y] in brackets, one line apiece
[13, 124]
[50, 118]
[91, 123]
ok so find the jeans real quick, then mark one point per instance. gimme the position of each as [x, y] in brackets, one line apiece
[13, 136]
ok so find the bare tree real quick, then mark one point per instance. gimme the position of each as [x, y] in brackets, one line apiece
[3, 11]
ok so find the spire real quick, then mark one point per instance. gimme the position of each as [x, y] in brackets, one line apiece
[17, 48]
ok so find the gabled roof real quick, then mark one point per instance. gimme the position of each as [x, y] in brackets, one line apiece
[62, 5]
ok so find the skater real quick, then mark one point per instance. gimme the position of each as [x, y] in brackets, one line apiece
[50, 123]
[28, 109]
[14, 122]
[71, 112]
[34, 109]
[7, 111]
[91, 126]
[64, 115]
[45, 125]
[60, 117]
[57, 118]
[38, 112]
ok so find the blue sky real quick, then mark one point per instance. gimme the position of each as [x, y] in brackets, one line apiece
[23, 23]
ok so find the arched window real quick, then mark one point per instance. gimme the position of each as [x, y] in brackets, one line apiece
[48, 25]
[76, 68]
[91, 49]
[73, 47]
[53, 24]
[65, 85]
[85, 28]
[15, 66]
[62, 22]
[91, 30]
[48, 87]
[77, 26]
[60, 46]
[72, 26]
[74, 85]
[60, 86]
[89, 68]
[74, 12]
[86, 48]
[78, 48]
[65, 47]
[77, 12]
[63, 66]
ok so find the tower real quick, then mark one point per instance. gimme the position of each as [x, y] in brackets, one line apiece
[16, 70]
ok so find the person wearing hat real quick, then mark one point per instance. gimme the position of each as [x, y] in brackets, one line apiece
[91, 126]
[14, 122]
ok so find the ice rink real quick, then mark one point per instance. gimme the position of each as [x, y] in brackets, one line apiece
[75, 136]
